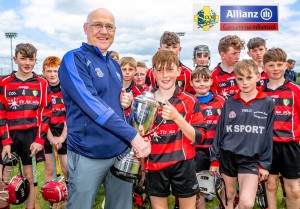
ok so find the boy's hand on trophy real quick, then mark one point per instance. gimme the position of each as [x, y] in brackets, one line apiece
[126, 98]
[141, 146]
[169, 112]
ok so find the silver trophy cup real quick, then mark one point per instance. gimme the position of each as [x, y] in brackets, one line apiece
[142, 116]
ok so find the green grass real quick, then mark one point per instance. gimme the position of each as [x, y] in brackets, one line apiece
[99, 198]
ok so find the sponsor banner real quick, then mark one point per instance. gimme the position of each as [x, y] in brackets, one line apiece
[215, 17]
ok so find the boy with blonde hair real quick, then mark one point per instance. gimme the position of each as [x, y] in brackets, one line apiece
[242, 147]
[286, 131]
[140, 75]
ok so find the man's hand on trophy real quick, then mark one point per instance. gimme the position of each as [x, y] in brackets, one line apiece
[141, 146]
[126, 98]
[169, 112]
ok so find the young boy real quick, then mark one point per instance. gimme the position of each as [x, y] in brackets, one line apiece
[5, 139]
[201, 56]
[129, 68]
[115, 56]
[29, 112]
[242, 144]
[140, 75]
[170, 41]
[171, 162]
[286, 132]
[223, 76]
[211, 106]
[57, 133]
[256, 50]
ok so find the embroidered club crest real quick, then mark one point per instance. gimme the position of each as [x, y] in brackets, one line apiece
[286, 102]
[35, 93]
[99, 72]
[232, 114]
[180, 83]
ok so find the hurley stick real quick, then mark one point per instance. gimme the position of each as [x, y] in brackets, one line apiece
[35, 180]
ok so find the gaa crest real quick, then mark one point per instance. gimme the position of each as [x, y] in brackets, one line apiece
[206, 18]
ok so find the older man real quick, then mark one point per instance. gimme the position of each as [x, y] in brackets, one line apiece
[91, 84]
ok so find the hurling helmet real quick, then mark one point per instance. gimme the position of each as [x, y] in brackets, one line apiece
[209, 184]
[55, 191]
[18, 188]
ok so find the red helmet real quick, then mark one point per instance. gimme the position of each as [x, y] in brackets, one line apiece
[18, 190]
[54, 191]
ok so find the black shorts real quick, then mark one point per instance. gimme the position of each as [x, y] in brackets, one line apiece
[22, 139]
[232, 164]
[181, 177]
[286, 159]
[202, 159]
[48, 146]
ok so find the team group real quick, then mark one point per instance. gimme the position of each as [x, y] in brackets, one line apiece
[239, 120]
[251, 136]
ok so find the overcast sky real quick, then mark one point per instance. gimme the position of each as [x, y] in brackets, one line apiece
[55, 26]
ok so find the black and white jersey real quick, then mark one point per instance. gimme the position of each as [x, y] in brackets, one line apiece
[246, 128]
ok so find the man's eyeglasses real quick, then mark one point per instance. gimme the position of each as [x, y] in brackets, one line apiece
[100, 26]
[140, 74]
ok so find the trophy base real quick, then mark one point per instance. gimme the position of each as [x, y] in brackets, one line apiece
[129, 177]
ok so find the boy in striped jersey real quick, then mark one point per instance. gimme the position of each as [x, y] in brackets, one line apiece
[58, 130]
[256, 50]
[171, 161]
[29, 112]
[171, 41]
[286, 134]
[211, 106]
[224, 83]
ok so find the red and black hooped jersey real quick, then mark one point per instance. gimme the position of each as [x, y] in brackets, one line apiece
[168, 144]
[287, 111]
[29, 104]
[183, 80]
[224, 83]
[211, 112]
[4, 133]
[264, 78]
[58, 108]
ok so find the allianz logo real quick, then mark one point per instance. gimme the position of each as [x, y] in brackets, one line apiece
[265, 14]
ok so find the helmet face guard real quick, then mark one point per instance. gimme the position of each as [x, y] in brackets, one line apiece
[55, 191]
[18, 188]
[203, 49]
[211, 184]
